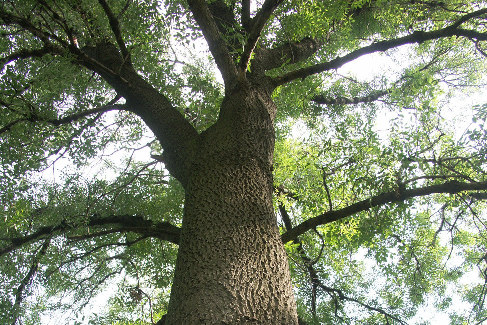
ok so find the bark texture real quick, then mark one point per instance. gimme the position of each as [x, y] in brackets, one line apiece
[232, 267]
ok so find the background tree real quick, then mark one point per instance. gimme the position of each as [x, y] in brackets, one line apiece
[133, 132]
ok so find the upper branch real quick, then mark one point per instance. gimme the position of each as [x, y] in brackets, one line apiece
[381, 46]
[257, 25]
[324, 100]
[216, 43]
[469, 16]
[19, 295]
[25, 54]
[115, 26]
[288, 53]
[173, 131]
[450, 187]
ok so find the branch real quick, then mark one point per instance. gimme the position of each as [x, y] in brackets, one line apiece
[10, 19]
[176, 135]
[450, 187]
[47, 39]
[125, 223]
[245, 15]
[314, 279]
[288, 53]
[381, 46]
[66, 119]
[115, 26]
[28, 278]
[374, 94]
[342, 296]
[77, 116]
[469, 16]
[256, 28]
[324, 100]
[216, 43]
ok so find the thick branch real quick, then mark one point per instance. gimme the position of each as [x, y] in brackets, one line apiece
[245, 15]
[216, 43]
[25, 54]
[256, 28]
[450, 187]
[288, 53]
[381, 46]
[122, 223]
[175, 134]
[115, 26]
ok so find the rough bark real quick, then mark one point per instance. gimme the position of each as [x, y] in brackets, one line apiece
[232, 267]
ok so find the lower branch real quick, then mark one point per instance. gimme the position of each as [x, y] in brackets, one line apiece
[324, 100]
[28, 279]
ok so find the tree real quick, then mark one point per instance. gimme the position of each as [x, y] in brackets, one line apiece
[372, 226]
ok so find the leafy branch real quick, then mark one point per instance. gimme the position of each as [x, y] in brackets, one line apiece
[398, 195]
[115, 26]
[256, 26]
[382, 46]
[315, 282]
[114, 224]
[28, 278]
[65, 119]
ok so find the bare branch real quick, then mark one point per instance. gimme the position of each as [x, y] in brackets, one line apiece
[450, 187]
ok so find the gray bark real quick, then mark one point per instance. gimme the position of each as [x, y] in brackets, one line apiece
[232, 267]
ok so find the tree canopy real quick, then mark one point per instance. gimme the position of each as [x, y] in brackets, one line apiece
[379, 180]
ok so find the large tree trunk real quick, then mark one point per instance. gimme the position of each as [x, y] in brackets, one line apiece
[232, 266]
